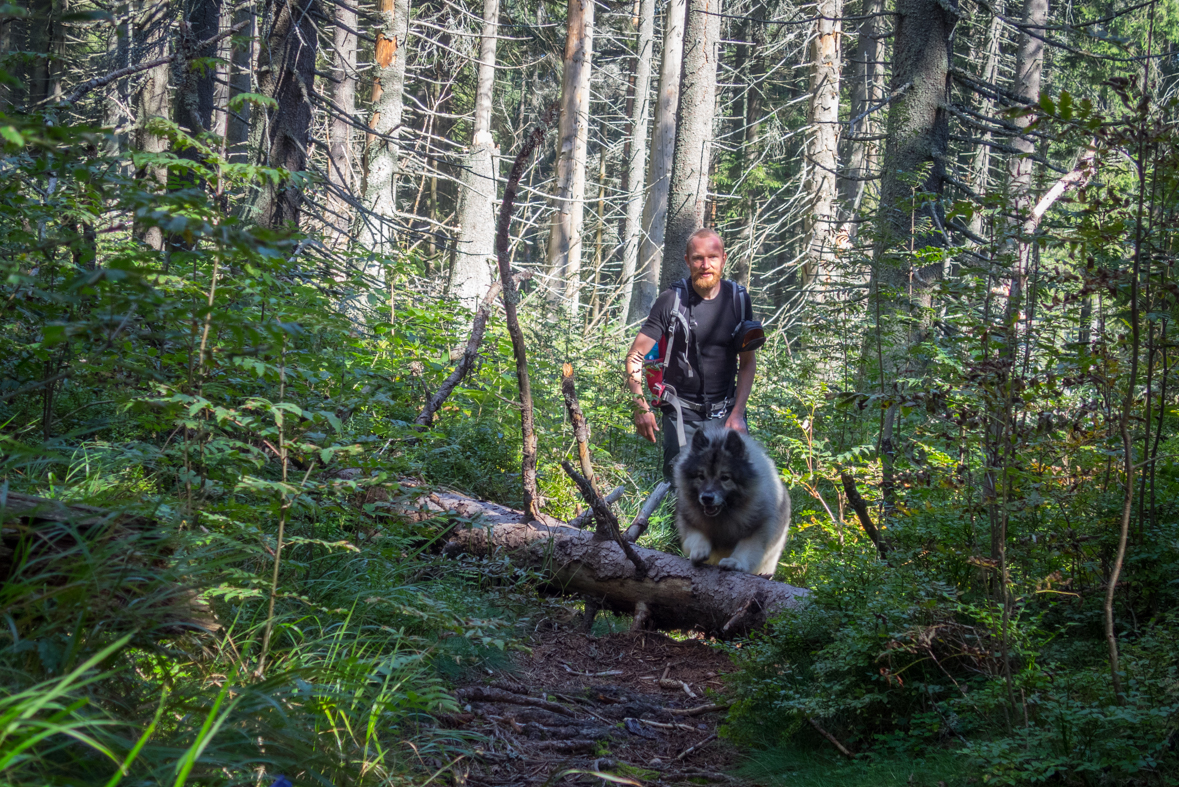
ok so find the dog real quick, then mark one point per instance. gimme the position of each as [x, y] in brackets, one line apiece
[731, 507]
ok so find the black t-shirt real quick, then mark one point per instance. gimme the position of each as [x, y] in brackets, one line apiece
[712, 333]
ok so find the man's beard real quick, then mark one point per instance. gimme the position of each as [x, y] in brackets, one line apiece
[705, 279]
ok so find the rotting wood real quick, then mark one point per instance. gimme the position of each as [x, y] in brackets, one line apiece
[643, 520]
[642, 616]
[580, 427]
[680, 596]
[607, 522]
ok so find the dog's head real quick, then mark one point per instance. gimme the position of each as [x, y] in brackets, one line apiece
[716, 470]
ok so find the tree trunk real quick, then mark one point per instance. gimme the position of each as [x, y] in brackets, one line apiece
[153, 101]
[981, 167]
[632, 227]
[241, 80]
[286, 73]
[822, 159]
[915, 149]
[688, 197]
[565, 240]
[1029, 67]
[47, 41]
[222, 73]
[474, 258]
[663, 135]
[751, 65]
[193, 101]
[380, 191]
[867, 89]
[341, 149]
[679, 595]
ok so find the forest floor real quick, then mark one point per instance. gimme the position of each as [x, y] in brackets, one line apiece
[619, 704]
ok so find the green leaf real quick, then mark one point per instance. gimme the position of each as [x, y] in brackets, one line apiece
[12, 136]
[241, 99]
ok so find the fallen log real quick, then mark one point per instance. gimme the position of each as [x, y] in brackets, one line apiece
[674, 594]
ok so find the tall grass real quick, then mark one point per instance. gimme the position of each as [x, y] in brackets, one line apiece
[115, 672]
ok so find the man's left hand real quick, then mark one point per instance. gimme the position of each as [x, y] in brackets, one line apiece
[735, 421]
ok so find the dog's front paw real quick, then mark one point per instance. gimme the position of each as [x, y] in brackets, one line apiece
[731, 564]
[698, 548]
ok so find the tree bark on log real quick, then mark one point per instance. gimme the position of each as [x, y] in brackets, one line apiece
[678, 595]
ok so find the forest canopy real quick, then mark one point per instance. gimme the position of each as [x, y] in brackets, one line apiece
[275, 275]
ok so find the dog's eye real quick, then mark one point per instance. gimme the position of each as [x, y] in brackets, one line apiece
[726, 477]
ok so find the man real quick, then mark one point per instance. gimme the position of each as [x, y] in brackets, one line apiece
[706, 372]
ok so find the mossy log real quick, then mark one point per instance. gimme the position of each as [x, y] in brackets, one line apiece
[674, 594]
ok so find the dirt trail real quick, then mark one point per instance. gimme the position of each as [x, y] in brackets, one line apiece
[632, 705]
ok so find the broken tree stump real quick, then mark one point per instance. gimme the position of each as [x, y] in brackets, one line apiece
[639, 526]
[678, 595]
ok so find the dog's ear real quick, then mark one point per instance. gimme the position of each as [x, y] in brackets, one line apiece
[699, 440]
[734, 444]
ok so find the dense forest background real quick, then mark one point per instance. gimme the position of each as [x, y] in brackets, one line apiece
[242, 247]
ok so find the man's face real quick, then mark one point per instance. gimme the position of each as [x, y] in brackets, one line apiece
[706, 260]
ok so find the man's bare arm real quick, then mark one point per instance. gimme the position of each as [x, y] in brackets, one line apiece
[746, 370]
[646, 424]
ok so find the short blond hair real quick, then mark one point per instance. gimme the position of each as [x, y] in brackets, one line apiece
[704, 232]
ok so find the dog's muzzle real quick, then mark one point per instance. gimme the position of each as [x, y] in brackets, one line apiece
[711, 503]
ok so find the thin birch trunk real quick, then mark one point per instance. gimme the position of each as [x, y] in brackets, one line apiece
[632, 226]
[474, 258]
[688, 197]
[341, 147]
[565, 242]
[663, 135]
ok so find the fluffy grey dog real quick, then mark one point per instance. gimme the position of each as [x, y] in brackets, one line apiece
[731, 507]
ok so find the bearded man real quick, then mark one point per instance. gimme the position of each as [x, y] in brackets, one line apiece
[700, 335]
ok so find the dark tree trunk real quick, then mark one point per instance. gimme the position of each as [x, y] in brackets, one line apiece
[915, 150]
[286, 73]
[193, 105]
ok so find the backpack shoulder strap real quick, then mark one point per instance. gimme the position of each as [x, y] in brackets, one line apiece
[740, 300]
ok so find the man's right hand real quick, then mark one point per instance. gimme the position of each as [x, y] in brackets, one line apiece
[646, 424]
